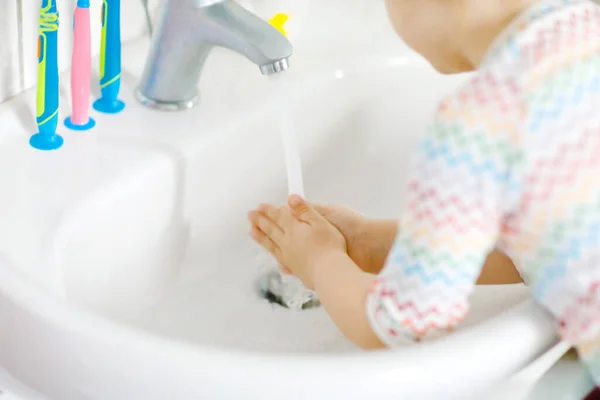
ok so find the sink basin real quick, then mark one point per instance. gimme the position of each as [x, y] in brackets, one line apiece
[126, 267]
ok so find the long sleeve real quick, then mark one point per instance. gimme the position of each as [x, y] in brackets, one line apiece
[558, 244]
[555, 240]
[558, 240]
[455, 202]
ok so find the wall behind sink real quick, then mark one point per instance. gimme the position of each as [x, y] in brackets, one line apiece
[18, 37]
[19, 32]
[19, 25]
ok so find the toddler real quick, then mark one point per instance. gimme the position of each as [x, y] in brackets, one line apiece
[509, 172]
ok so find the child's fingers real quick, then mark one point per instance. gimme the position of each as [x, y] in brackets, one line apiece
[266, 225]
[323, 210]
[262, 239]
[303, 210]
[280, 215]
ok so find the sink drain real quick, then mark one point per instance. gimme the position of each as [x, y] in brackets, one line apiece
[288, 293]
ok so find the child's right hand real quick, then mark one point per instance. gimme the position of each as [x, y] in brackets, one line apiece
[354, 228]
[368, 241]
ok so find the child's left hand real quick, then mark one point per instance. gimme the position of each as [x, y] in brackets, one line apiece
[297, 236]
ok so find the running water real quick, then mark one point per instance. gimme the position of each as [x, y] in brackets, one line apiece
[287, 290]
[293, 164]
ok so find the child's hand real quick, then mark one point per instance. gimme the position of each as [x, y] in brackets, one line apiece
[298, 236]
[368, 241]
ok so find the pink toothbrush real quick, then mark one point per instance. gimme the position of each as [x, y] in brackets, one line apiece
[81, 66]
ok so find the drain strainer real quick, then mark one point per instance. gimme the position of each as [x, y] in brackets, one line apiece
[286, 291]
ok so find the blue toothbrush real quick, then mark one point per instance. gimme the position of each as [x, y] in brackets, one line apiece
[110, 59]
[47, 88]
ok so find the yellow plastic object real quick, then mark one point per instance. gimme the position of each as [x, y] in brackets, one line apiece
[278, 21]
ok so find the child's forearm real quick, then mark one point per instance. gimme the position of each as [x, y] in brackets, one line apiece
[342, 288]
[380, 234]
[498, 268]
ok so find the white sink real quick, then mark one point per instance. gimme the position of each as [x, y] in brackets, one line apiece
[128, 272]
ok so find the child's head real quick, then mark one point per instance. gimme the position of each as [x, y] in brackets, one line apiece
[453, 35]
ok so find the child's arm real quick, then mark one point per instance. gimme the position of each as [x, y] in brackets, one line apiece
[456, 200]
[409, 297]
[424, 287]
[369, 241]
[342, 288]
[498, 268]
[379, 238]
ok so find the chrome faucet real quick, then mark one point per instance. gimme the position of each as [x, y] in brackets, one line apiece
[182, 41]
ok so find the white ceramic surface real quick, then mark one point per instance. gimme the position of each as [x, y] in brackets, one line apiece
[127, 272]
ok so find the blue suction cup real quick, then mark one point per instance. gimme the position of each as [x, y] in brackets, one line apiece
[46, 142]
[89, 125]
[109, 106]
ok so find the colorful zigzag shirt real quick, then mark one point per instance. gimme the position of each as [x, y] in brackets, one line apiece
[512, 160]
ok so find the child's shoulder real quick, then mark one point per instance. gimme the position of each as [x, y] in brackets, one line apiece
[551, 37]
[548, 51]
[485, 94]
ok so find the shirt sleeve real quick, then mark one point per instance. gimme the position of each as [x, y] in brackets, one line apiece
[580, 326]
[563, 263]
[560, 238]
[452, 220]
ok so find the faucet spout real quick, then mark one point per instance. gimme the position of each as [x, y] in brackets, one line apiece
[188, 30]
[243, 32]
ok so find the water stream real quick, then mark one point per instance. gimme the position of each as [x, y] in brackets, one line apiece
[283, 289]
